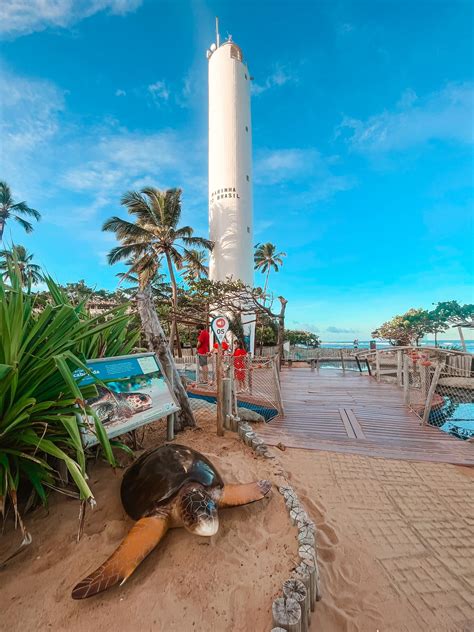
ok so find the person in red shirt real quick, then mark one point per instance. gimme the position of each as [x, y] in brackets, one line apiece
[225, 346]
[239, 365]
[202, 354]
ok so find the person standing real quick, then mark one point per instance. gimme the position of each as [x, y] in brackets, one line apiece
[239, 365]
[202, 349]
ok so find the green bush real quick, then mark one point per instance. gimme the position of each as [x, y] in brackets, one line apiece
[39, 398]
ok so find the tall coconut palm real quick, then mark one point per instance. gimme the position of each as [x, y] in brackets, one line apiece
[265, 258]
[11, 209]
[142, 274]
[155, 233]
[30, 272]
[195, 264]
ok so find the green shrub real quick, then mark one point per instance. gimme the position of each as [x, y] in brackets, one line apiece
[39, 398]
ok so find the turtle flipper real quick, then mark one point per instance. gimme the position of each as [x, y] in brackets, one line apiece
[235, 495]
[141, 540]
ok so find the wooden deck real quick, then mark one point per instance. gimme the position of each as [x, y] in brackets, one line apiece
[353, 413]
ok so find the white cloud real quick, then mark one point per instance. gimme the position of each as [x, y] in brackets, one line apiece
[279, 77]
[30, 112]
[340, 330]
[120, 93]
[313, 172]
[273, 166]
[159, 91]
[304, 326]
[20, 17]
[446, 115]
[76, 175]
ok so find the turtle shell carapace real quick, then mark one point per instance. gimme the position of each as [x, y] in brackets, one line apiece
[157, 476]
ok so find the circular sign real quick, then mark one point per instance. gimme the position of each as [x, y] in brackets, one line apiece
[219, 326]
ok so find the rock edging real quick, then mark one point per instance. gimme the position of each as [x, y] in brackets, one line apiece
[292, 611]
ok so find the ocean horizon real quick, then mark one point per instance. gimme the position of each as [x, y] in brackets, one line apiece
[382, 344]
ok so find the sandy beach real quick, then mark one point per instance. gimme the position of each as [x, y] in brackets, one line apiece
[394, 540]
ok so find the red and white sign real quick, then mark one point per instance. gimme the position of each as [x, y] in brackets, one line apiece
[219, 326]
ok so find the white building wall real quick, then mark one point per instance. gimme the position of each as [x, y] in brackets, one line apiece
[230, 166]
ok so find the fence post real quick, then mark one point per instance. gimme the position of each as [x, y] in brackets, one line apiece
[431, 392]
[342, 361]
[377, 365]
[226, 402]
[424, 381]
[278, 388]
[220, 398]
[399, 367]
[406, 380]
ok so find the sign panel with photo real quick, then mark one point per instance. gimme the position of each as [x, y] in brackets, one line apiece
[136, 393]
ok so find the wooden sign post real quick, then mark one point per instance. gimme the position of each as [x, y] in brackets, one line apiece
[219, 326]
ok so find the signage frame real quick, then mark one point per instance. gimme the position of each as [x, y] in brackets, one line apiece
[154, 385]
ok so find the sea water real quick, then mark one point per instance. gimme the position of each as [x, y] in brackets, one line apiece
[365, 344]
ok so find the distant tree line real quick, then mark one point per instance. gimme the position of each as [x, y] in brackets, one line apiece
[409, 328]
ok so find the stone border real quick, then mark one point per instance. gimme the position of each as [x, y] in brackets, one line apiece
[292, 611]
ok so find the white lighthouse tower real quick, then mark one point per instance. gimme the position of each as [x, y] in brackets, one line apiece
[230, 168]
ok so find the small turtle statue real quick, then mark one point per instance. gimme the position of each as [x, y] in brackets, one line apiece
[170, 486]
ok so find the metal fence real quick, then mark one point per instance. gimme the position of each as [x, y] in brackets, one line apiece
[438, 385]
[253, 390]
[452, 408]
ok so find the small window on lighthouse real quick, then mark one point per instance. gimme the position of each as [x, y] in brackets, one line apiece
[248, 180]
[246, 128]
[248, 229]
[246, 76]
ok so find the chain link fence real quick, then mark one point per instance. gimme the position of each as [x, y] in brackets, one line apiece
[452, 408]
[438, 385]
[254, 386]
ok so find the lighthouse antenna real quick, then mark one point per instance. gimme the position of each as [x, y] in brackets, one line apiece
[218, 39]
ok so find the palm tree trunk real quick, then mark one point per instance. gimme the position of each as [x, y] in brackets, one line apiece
[266, 282]
[174, 298]
[157, 342]
[2, 228]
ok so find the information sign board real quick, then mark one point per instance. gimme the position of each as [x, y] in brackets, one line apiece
[136, 393]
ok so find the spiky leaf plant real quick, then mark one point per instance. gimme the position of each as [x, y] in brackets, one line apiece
[39, 398]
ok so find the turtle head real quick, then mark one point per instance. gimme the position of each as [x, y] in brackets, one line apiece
[198, 510]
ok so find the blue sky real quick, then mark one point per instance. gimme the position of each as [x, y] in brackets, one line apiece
[362, 127]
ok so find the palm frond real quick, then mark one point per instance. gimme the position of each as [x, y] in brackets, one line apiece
[22, 207]
[201, 242]
[127, 231]
[26, 225]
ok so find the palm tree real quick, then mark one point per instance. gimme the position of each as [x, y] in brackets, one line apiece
[9, 208]
[265, 258]
[154, 233]
[195, 263]
[140, 276]
[18, 255]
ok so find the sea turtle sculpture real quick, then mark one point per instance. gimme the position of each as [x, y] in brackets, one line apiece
[170, 486]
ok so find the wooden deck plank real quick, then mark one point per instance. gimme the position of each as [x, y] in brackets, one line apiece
[359, 433]
[347, 424]
[350, 412]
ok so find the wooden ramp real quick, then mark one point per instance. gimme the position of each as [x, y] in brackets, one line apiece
[353, 413]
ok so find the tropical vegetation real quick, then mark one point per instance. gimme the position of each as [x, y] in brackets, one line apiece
[9, 209]
[301, 337]
[30, 272]
[42, 407]
[266, 258]
[409, 328]
[153, 234]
